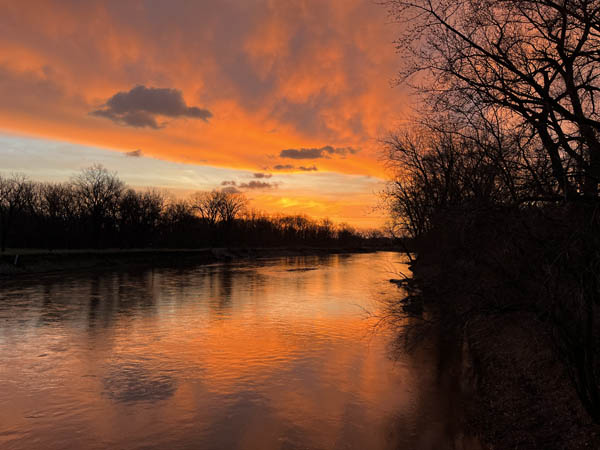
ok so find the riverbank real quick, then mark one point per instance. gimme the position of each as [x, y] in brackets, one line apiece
[14, 262]
[522, 396]
[509, 288]
[515, 391]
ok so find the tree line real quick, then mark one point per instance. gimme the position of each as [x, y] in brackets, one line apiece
[497, 180]
[95, 209]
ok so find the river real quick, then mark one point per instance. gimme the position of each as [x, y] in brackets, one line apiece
[281, 353]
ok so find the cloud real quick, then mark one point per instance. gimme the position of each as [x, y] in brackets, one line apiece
[315, 153]
[277, 75]
[253, 184]
[258, 185]
[312, 168]
[262, 175]
[303, 153]
[140, 106]
[134, 153]
[230, 190]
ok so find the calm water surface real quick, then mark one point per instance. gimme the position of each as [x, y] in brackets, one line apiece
[276, 354]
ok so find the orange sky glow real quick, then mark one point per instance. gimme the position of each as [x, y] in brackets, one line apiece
[297, 90]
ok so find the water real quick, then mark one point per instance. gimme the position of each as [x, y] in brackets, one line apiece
[277, 354]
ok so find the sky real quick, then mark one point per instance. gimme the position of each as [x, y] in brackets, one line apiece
[285, 101]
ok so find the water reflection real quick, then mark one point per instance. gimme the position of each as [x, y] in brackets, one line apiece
[252, 356]
[130, 382]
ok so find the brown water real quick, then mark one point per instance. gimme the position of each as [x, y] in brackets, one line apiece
[278, 354]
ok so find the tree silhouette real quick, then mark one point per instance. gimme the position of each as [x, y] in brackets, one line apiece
[533, 62]
[16, 197]
[504, 169]
[98, 194]
[96, 209]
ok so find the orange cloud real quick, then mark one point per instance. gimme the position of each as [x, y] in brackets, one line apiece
[274, 76]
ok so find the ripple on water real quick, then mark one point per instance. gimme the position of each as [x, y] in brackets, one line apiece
[133, 382]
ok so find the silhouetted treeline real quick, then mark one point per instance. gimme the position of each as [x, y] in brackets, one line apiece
[497, 182]
[97, 210]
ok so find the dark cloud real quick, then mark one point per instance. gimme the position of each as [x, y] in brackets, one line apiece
[140, 106]
[253, 184]
[134, 153]
[303, 153]
[257, 185]
[138, 119]
[292, 167]
[315, 153]
[262, 175]
[231, 190]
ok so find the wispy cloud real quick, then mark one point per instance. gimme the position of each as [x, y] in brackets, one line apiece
[231, 190]
[316, 153]
[312, 168]
[253, 184]
[134, 153]
[257, 185]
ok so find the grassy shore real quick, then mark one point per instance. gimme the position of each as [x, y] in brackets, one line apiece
[27, 261]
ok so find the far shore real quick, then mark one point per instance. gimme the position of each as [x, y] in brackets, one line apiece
[14, 262]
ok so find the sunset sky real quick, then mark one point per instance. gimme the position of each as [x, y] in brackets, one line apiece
[283, 100]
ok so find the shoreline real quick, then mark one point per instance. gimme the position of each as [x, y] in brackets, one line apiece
[517, 392]
[16, 262]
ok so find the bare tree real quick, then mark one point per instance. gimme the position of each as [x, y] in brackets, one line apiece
[533, 68]
[436, 170]
[139, 216]
[231, 206]
[218, 206]
[207, 206]
[98, 193]
[16, 196]
[58, 210]
[537, 60]
[96, 208]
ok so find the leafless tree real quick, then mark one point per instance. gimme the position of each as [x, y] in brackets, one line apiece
[218, 206]
[207, 205]
[139, 216]
[231, 206]
[528, 73]
[98, 194]
[537, 61]
[58, 211]
[16, 196]
[436, 170]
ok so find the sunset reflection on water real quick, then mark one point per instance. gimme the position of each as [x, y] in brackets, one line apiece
[263, 355]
